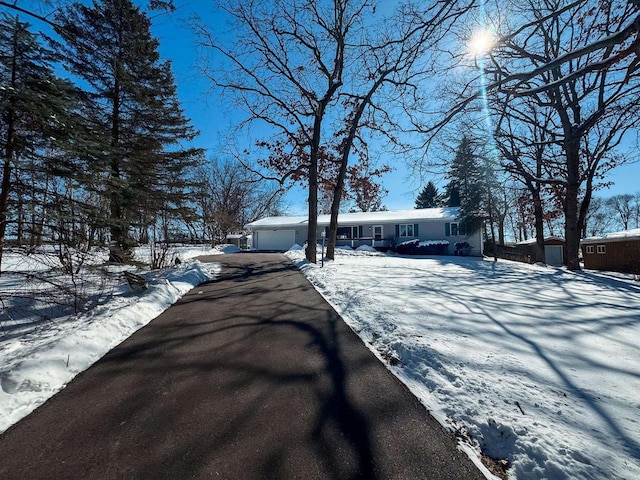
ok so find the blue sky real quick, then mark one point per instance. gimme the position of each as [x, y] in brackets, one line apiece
[177, 42]
[213, 120]
[207, 111]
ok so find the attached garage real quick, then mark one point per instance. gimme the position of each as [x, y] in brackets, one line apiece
[279, 240]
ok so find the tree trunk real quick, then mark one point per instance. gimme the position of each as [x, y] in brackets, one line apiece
[572, 233]
[344, 160]
[538, 215]
[335, 206]
[117, 248]
[312, 227]
[584, 208]
[9, 151]
[4, 199]
[312, 230]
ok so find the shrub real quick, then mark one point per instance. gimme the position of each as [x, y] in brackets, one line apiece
[429, 247]
[462, 249]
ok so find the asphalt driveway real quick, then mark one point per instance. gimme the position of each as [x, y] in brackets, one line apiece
[250, 376]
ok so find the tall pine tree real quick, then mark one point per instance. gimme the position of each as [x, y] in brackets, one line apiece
[428, 197]
[143, 169]
[38, 114]
[467, 185]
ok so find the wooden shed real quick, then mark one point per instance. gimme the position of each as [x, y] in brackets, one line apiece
[555, 250]
[237, 239]
[615, 252]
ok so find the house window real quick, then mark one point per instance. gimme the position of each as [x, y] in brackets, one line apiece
[454, 229]
[602, 249]
[589, 248]
[347, 233]
[406, 230]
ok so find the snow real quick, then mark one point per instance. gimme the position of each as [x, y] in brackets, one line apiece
[532, 241]
[533, 364]
[38, 358]
[390, 216]
[425, 243]
[225, 248]
[623, 235]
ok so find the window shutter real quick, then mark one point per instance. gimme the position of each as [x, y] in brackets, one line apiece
[447, 229]
[397, 230]
[360, 232]
[462, 229]
[415, 230]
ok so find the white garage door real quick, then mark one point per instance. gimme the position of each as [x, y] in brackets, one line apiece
[553, 255]
[281, 240]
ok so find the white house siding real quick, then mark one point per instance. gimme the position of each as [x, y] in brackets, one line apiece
[475, 240]
[430, 223]
[436, 231]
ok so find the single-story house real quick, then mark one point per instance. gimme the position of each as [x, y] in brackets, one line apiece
[615, 252]
[555, 250]
[381, 230]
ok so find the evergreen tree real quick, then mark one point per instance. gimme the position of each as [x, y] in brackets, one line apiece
[428, 197]
[143, 171]
[452, 194]
[467, 183]
[38, 115]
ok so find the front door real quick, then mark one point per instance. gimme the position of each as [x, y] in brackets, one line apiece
[377, 232]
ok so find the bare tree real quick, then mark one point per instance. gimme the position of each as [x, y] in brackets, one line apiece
[283, 70]
[615, 23]
[389, 69]
[522, 137]
[598, 220]
[587, 91]
[624, 207]
[232, 196]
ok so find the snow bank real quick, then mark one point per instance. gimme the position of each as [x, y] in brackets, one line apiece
[424, 243]
[226, 248]
[366, 248]
[37, 365]
[535, 365]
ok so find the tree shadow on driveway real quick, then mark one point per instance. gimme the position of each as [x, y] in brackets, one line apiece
[250, 376]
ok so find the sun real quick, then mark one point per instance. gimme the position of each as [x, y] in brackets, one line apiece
[482, 41]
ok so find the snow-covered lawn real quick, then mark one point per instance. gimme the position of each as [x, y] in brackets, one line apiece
[538, 365]
[43, 346]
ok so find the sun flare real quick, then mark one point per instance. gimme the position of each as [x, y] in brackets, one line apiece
[481, 42]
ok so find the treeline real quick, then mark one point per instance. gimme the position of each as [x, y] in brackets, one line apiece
[99, 159]
[490, 197]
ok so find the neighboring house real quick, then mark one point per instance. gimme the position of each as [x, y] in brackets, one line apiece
[615, 252]
[555, 250]
[381, 230]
